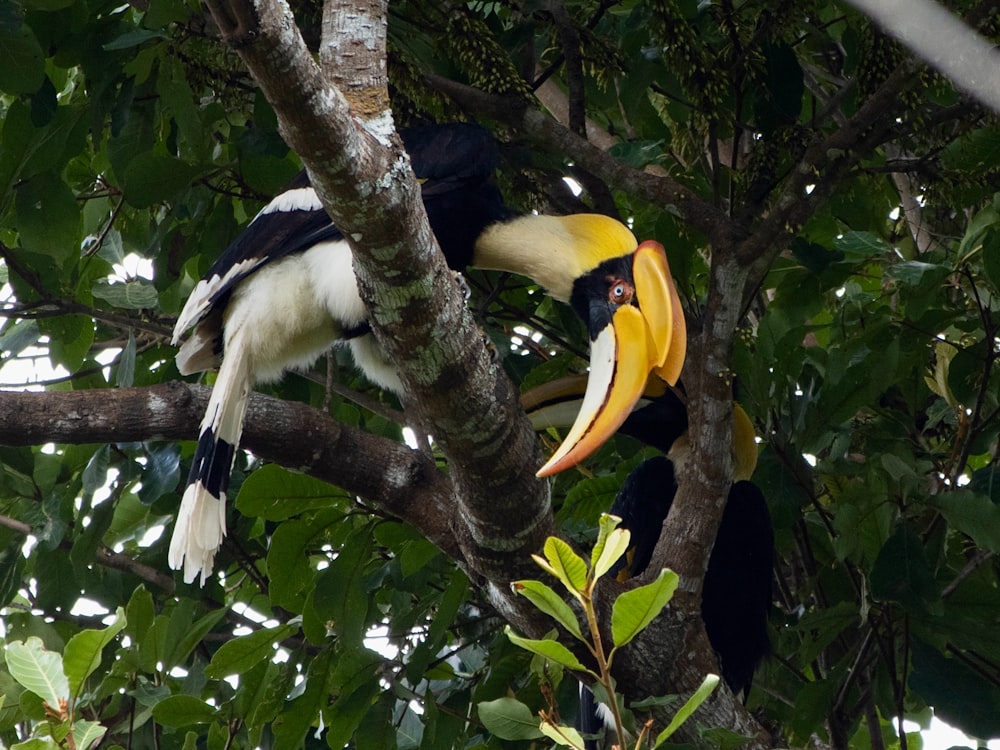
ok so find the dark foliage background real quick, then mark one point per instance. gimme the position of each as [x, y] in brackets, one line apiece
[853, 188]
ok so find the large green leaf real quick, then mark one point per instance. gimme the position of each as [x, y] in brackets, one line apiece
[549, 602]
[959, 694]
[690, 706]
[561, 561]
[22, 63]
[84, 650]
[550, 648]
[48, 217]
[635, 609]
[509, 719]
[971, 513]
[128, 295]
[242, 654]
[183, 710]
[901, 573]
[276, 494]
[152, 178]
[87, 733]
[341, 595]
[38, 669]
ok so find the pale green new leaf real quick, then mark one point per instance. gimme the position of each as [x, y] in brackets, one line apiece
[549, 602]
[509, 719]
[565, 564]
[635, 609]
[38, 670]
[83, 652]
[614, 547]
[563, 735]
[605, 525]
[87, 733]
[551, 649]
[700, 695]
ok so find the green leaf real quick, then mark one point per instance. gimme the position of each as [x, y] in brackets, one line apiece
[341, 596]
[18, 336]
[153, 178]
[95, 473]
[83, 652]
[959, 694]
[612, 548]
[991, 256]
[635, 609]
[86, 733]
[565, 564]
[971, 513]
[699, 696]
[901, 573]
[549, 602]
[509, 719]
[241, 654]
[130, 295]
[563, 735]
[288, 557]
[133, 39]
[551, 649]
[48, 217]
[22, 62]
[183, 710]
[161, 472]
[184, 633]
[139, 613]
[860, 244]
[276, 494]
[37, 669]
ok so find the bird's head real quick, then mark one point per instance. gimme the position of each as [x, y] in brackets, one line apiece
[636, 327]
[625, 295]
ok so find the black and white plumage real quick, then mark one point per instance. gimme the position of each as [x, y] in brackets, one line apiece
[284, 291]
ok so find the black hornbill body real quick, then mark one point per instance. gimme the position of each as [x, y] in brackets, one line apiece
[284, 291]
[736, 592]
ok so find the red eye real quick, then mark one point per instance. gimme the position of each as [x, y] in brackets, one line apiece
[620, 292]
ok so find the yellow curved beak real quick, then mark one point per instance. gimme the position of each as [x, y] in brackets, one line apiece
[648, 337]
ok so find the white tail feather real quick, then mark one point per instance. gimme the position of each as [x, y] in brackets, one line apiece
[201, 519]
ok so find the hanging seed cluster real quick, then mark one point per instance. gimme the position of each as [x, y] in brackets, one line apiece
[702, 78]
[470, 43]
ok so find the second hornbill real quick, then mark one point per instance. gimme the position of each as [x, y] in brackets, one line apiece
[736, 592]
[284, 291]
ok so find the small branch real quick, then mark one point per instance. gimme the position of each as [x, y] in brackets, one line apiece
[106, 558]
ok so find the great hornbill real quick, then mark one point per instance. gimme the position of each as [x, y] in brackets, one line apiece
[284, 291]
[736, 592]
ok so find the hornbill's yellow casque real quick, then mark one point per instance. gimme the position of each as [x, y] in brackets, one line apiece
[736, 593]
[284, 291]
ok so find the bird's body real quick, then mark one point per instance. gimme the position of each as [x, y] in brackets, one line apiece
[284, 291]
[736, 591]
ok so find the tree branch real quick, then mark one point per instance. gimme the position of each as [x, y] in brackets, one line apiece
[395, 478]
